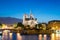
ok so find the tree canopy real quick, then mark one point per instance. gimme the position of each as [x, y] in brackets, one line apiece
[0, 25]
[20, 24]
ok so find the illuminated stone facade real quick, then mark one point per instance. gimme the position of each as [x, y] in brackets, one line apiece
[55, 24]
[29, 20]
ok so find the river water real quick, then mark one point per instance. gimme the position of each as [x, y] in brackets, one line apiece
[25, 37]
[17, 36]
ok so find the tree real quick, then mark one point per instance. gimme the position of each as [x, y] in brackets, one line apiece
[40, 26]
[20, 25]
[48, 28]
[0, 25]
[15, 25]
[36, 26]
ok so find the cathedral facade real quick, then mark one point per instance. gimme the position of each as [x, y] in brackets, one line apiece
[29, 20]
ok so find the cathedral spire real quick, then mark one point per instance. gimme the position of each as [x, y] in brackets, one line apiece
[31, 16]
[30, 12]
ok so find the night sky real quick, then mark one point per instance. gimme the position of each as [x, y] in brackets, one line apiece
[43, 10]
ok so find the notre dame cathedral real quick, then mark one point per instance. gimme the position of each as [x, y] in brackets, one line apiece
[29, 20]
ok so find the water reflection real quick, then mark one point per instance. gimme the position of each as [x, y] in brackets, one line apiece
[19, 37]
[14, 36]
[45, 37]
[5, 35]
[29, 37]
[0, 37]
[40, 36]
[10, 36]
[53, 36]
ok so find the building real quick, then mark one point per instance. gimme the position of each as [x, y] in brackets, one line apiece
[29, 20]
[54, 24]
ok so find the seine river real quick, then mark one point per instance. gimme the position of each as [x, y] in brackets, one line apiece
[17, 36]
[25, 37]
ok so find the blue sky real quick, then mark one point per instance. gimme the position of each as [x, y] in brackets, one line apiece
[43, 10]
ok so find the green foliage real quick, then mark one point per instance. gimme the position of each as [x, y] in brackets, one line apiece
[36, 26]
[20, 24]
[40, 26]
[48, 28]
[15, 25]
[0, 25]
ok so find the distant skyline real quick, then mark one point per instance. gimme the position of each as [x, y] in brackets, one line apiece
[43, 10]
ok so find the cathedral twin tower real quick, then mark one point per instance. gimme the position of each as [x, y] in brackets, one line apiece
[29, 20]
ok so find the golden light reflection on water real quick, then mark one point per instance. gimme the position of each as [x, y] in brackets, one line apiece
[53, 36]
[19, 37]
[40, 36]
[10, 35]
[5, 35]
[45, 37]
